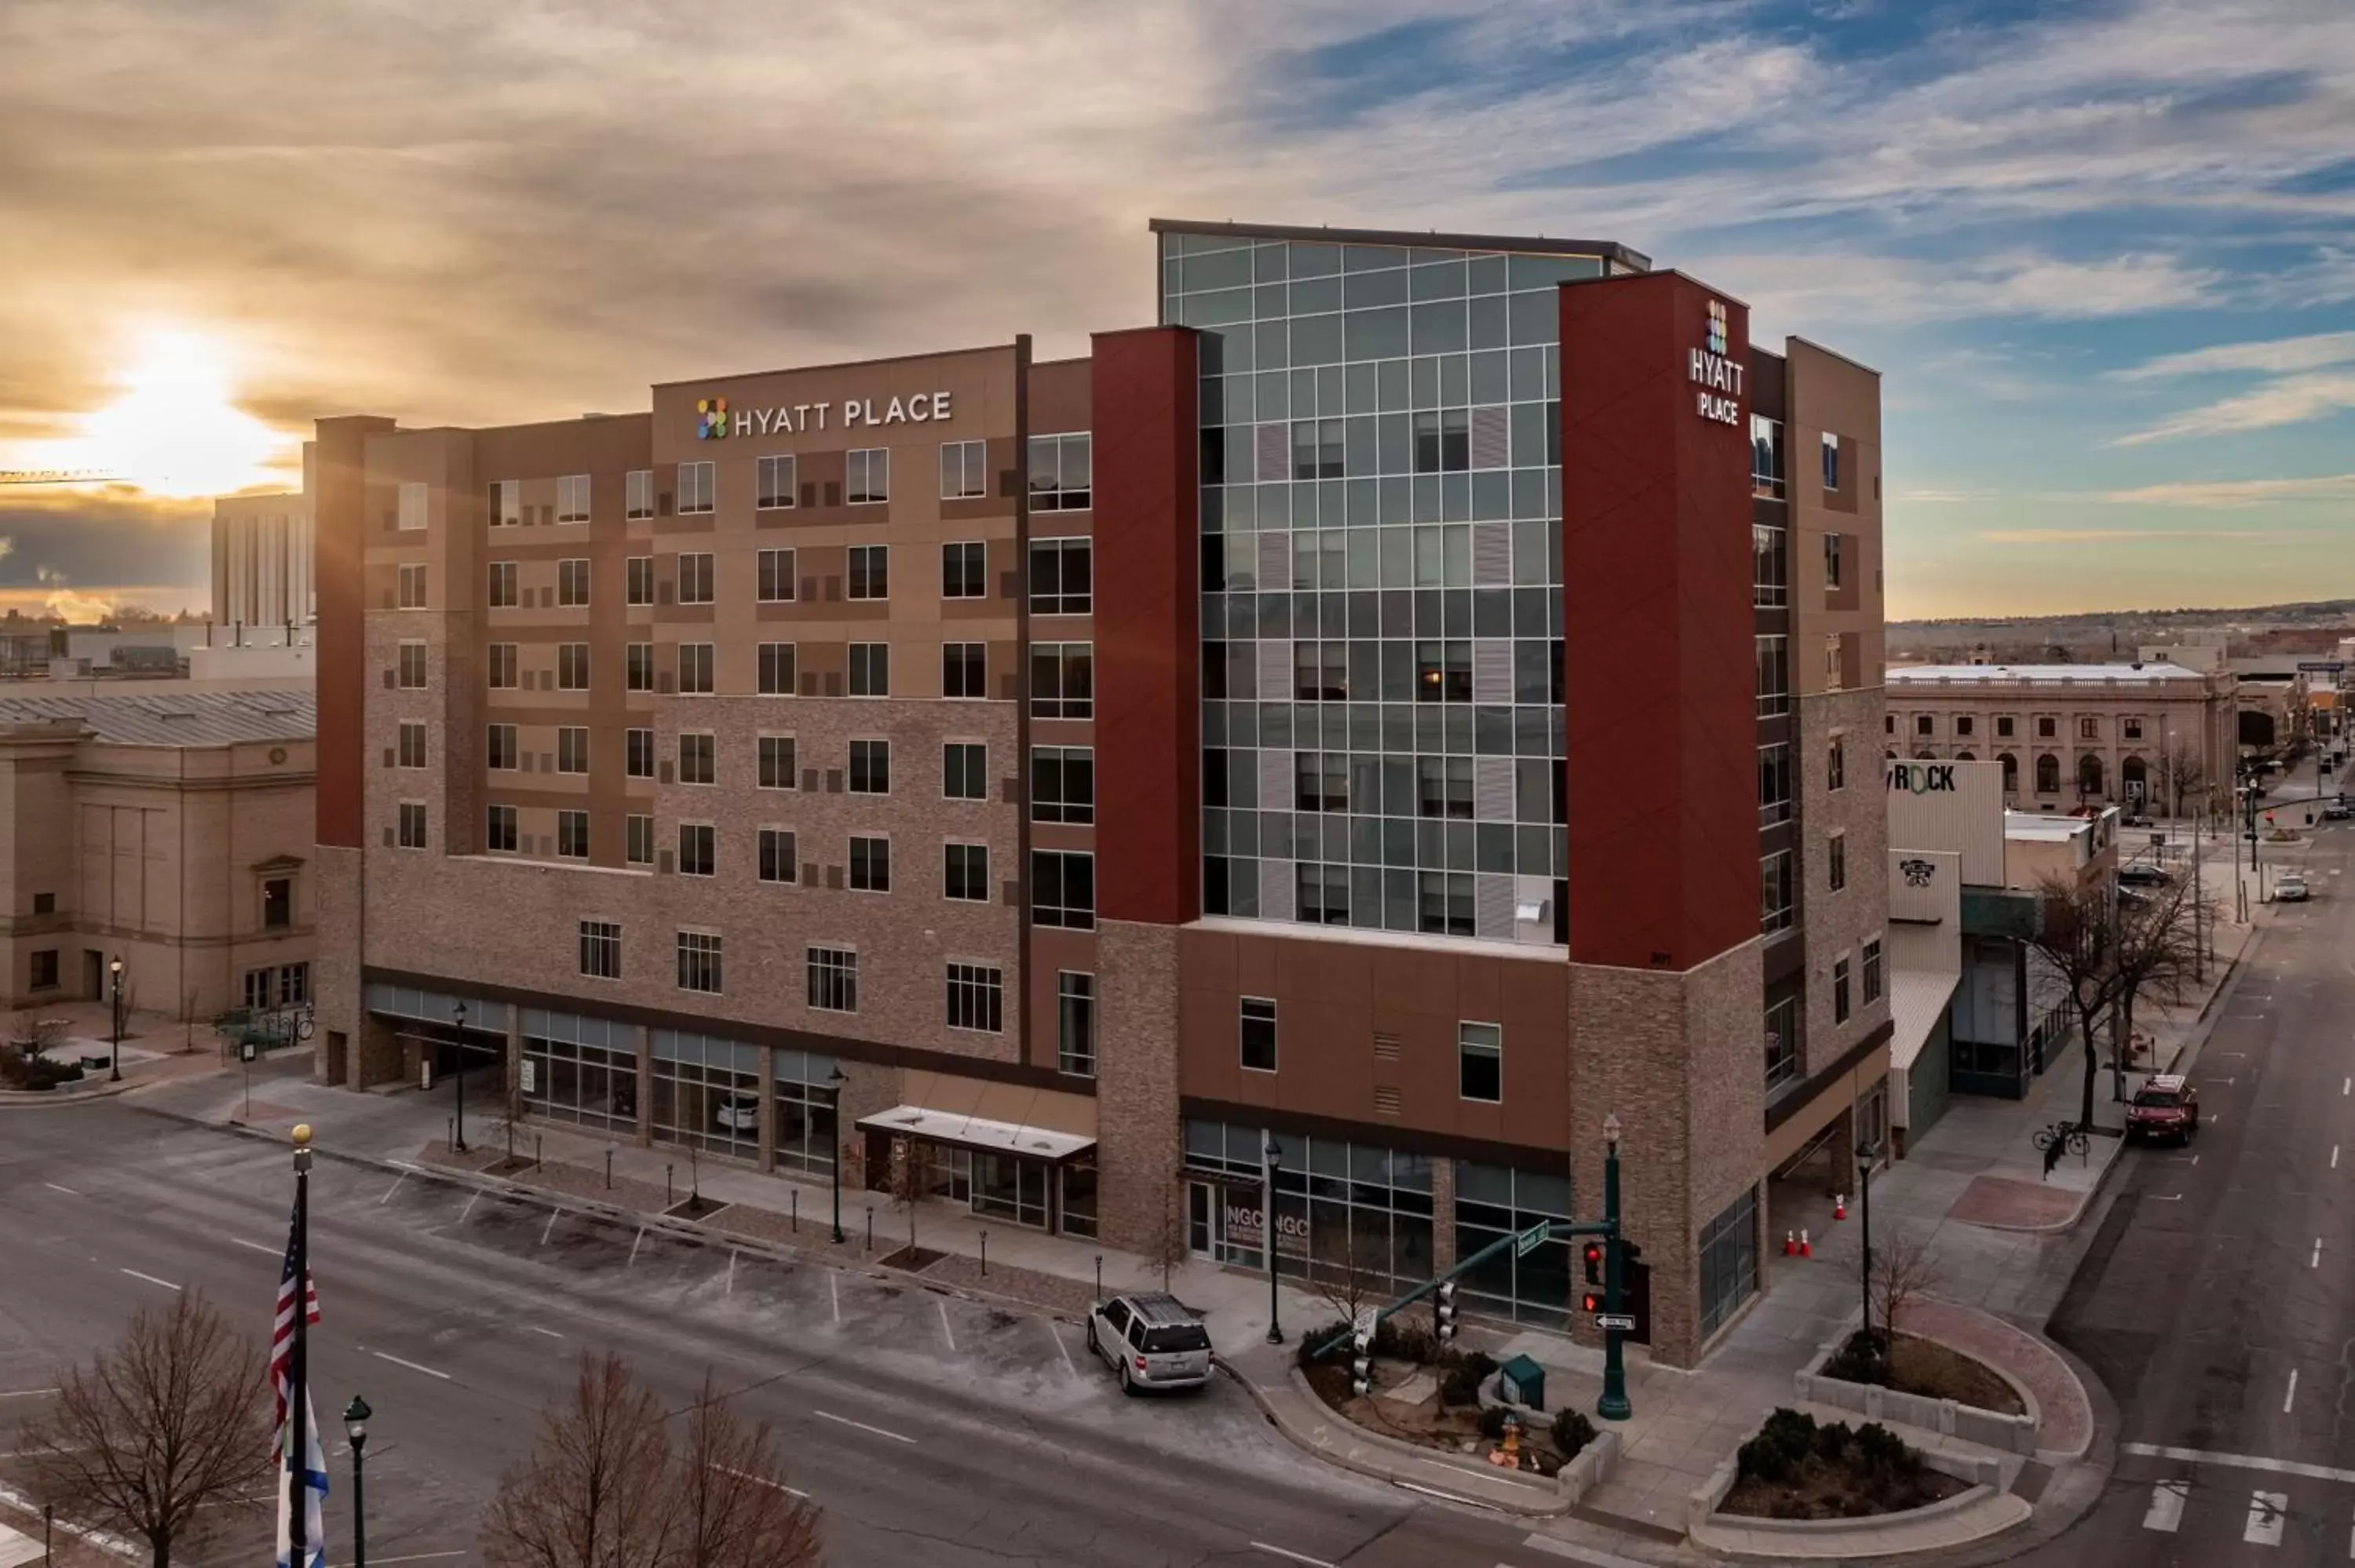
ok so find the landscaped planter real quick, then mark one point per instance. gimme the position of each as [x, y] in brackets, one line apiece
[1988, 1428]
[1981, 1475]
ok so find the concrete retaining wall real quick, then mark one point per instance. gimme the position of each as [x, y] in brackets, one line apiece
[1988, 1428]
[1984, 1474]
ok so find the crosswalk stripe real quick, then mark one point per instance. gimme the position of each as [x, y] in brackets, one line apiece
[2167, 1500]
[2265, 1513]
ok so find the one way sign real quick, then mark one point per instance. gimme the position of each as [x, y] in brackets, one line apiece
[1623, 1321]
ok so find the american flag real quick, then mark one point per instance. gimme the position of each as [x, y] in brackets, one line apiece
[282, 1331]
[309, 1469]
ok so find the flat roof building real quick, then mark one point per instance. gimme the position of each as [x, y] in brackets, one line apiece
[1316, 718]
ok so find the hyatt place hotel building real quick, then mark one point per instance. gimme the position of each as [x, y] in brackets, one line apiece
[1421, 697]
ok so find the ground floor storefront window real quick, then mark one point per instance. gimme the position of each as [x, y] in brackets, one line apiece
[804, 1111]
[1729, 1262]
[1492, 1202]
[580, 1070]
[707, 1094]
[1342, 1209]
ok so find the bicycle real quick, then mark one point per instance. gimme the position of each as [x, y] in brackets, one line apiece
[2067, 1134]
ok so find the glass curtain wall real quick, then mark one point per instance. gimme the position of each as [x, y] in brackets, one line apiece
[804, 1111]
[1493, 1202]
[1341, 1208]
[1381, 574]
[582, 1070]
[707, 1094]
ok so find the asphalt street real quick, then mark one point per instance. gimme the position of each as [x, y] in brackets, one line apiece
[928, 1428]
[2217, 1300]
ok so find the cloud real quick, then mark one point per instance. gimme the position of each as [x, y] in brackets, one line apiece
[2237, 494]
[2277, 356]
[2114, 536]
[2291, 400]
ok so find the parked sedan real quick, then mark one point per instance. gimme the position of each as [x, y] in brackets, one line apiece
[2291, 888]
[2141, 874]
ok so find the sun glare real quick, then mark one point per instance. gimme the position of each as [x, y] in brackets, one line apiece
[175, 429]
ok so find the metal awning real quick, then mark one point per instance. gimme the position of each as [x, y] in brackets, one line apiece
[979, 1133]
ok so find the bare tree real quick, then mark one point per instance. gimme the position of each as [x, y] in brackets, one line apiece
[736, 1510]
[173, 1419]
[2104, 953]
[2180, 773]
[1347, 1284]
[1902, 1272]
[2158, 951]
[1168, 1246]
[593, 1493]
[907, 1182]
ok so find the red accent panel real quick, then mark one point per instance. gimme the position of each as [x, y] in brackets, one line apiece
[1148, 627]
[1663, 765]
[339, 524]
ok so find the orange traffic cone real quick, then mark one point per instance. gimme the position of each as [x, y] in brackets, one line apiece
[1790, 1244]
[1839, 1205]
[1805, 1249]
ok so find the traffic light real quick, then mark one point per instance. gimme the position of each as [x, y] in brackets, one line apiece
[1591, 1302]
[1361, 1363]
[1443, 1310]
[1594, 1254]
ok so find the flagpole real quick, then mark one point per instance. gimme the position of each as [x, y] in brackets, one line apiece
[298, 1403]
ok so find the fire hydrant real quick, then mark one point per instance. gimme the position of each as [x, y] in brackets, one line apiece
[1509, 1455]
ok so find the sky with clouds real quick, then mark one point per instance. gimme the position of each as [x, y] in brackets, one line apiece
[2103, 251]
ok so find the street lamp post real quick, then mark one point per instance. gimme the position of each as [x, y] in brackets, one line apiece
[835, 1080]
[1613, 1404]
[356, 1417]
[114, 972]
[458, 1140]
[1271, 1159]
[1866, 1154]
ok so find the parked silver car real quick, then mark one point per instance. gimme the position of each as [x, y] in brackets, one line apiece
[1152, 1341]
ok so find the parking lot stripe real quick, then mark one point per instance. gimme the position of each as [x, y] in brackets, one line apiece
[834, 1288]
[467, 1213]
[946, 1332]
[548, 1229]
[397, 1181]
[731, 1289]
[861, 1425]
[1056, 1335]
[69, 1191]
[2288, 1399]
[2166, 1512]
[634, 1248]
[1295, 1556]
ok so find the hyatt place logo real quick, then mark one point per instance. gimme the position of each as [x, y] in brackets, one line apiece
[1717, 326]
[711, 418]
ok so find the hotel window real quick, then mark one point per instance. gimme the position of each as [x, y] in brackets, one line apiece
[697, 483]
[1834, 665]
[1839, 990]
[499, 829]
[698, 961]
[1774, 677]
[572, 583]
[2133, 728]
[870, 767]
[2047, 727]
[411, 677]
[695, 578]
[573, 666]
[1443, 904]
[503, 592]
[698, 757]
[573, 834]
[412, 508]
[601, 949]
[572, 748]
[870, 571]
[1765, 457]
[411, 834]
[1775, 892]
[572, 498]
[639, 754]
[1323, 895]
[964, 769]
[778, 851]
[976, 998]
[1836, 862]
[1831, 461]
[964, 873]
[411, 749]
[868, 476]
[2003, 726]
[698, 851]
[694, 669]
[506, 503]
[638, 660]
[638, 494]
[965, 467]
[1781, 1042]
[1480, 1062]
[832, 980]
[1773, 784]
[870, 864]
[1316, 446]
[1255, 1025]
[1836, 765]
[1062, 784]
[1963, 726]
[964, 670]
[1770, 566]
[776, 752]
[772, 483]
[1873, 971]
[2089, 729]
[870, 669]
[1442, 441]
[1831, 560]
[1063, 889]
[1442, 787]
[964, 570]
[500, 667]
[1062, 576]
[1442, 673]
[412, 586]
[638, 840]
[639, 581]
[1059, 472]
[2048, 774]
[1062, 680]
[1075, 1024]
[1924, 724]
[777, 583]
[776, 669]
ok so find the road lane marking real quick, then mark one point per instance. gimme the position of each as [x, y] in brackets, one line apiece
[756, 1480]
[2334, 1157]
[946, 1332]
[2290, 1398]
[412, 1366]
[2266, 1512]
[634, 1248]
[538, 1329]
[397, 1181]
[69, 1191]
[834, 1288]
[255, 1246]
[2166, 1512]
[25, 1393]
[1287, 1552]
[2240, 1461]
[2167, 1197]
[730, 1290]
[861, 1425]
[148, 1278]
[550, 1229]
[411, 1557]
[467, 1213]
[2316, 1261]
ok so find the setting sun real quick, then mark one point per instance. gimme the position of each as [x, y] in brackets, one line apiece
[175, 429]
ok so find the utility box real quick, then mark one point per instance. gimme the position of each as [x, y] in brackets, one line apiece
[1522, 1381]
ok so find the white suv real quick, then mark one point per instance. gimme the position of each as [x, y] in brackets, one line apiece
[1152, 1341]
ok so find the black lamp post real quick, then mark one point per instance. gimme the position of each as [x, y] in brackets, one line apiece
[114, 972]
[1270, 1157]
[1866, 1154]
[1614, 1406]
[458, 1140]
[835, 1080]
[356, 1415]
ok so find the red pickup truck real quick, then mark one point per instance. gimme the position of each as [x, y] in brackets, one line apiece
[2166, 1107]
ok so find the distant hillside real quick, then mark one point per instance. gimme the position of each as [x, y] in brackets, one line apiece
[2313, 627]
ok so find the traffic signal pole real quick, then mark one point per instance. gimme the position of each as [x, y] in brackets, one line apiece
[1613, 1404]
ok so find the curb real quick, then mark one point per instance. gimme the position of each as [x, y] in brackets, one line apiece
[14, 1100]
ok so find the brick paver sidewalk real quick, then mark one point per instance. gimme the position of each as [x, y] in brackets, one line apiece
[2068, 1418]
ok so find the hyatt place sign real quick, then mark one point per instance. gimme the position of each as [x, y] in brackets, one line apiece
[714, 421]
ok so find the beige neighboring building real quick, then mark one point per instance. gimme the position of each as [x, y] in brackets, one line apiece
[2157, 735]
[166, 825]
[262, 571]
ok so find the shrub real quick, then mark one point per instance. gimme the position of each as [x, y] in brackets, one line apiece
[1305, 1352]
[1492, 1422]
[1406, 1341]
[1783, 1443]
[1793, 1430]
[1460, 1386]
[21, 1069]
[1881, 1452]
[1832, 1441]
[1572, 1433]
[1861, 1359]
[1762, 1458]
